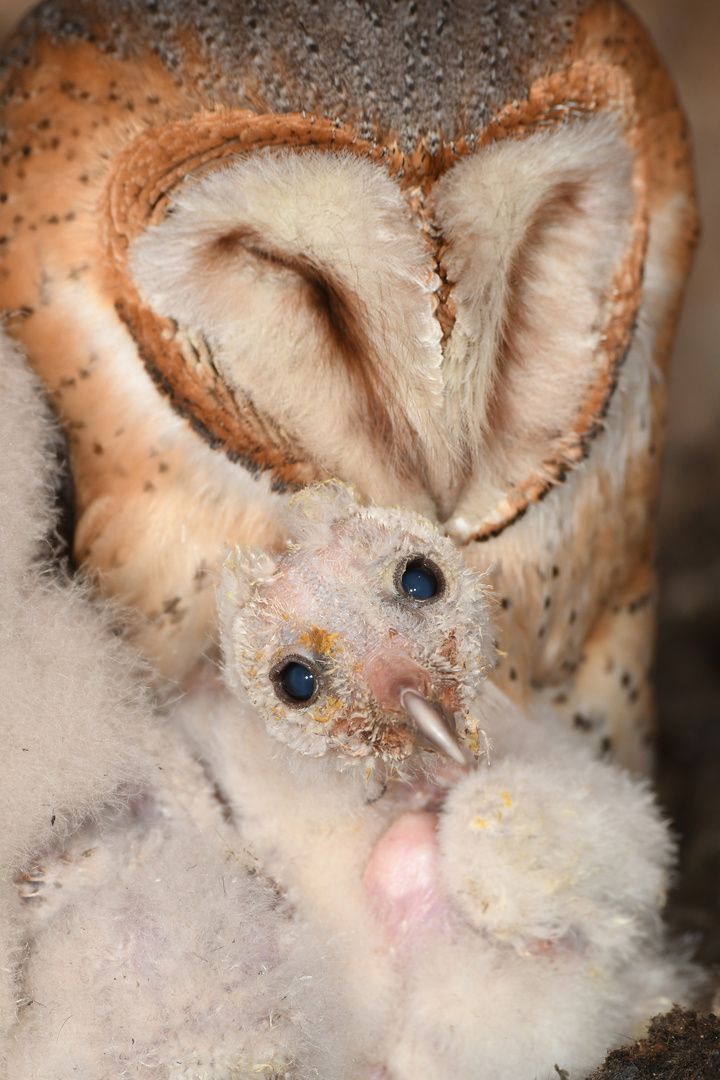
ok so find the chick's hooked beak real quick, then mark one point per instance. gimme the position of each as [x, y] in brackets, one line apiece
[430, 725]
[400, 686]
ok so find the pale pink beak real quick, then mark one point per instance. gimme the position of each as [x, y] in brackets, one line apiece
[431, 725]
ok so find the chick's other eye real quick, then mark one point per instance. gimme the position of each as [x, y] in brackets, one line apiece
[294, 681]
[419, 579]
[419, 582]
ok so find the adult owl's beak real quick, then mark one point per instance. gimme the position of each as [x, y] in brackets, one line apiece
[430, 725]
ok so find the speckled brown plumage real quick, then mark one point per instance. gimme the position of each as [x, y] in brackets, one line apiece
[410, 69]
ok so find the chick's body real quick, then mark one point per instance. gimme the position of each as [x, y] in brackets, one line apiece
[434, 920]
[505, 914]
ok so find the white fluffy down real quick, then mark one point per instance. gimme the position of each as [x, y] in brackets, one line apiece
[560, 863]
[556, 952]
[560, 852]
[193, 896]
[136, 936]
[156, 948]
[71, 713]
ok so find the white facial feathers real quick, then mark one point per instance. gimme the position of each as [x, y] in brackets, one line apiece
[310, 266]
[537, 230]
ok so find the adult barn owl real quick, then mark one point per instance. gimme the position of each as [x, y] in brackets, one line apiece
[433, 249]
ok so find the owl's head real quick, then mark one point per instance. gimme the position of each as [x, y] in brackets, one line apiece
[367, 638]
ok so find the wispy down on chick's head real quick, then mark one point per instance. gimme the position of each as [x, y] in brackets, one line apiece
[367, 638]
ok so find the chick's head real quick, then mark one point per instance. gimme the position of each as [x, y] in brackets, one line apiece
[367, 638]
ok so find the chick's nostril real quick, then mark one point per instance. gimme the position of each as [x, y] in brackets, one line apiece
[392, 673]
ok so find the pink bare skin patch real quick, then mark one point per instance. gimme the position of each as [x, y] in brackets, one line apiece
[402, 881]
[389, 671]
[403, 886]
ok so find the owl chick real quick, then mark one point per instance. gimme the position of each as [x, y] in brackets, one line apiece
[411, 915]
[510, 913]
[366, 640]
[324, 885]
[157, 949]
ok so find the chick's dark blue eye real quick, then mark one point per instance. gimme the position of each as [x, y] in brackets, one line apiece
[420, 580]
[298, 681]
[419, 583]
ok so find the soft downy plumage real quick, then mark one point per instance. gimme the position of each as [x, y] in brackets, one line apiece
[136, 931]
[346, 901]
[494, 918]
[156, 947]
[71, 711]
[227, 892]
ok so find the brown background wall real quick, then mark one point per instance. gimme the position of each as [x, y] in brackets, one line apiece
[688, 36]
[688, 673]
[10, 12]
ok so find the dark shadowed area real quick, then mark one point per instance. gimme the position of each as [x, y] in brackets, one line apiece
[688, 670]
[679, 1046]
[688, 662]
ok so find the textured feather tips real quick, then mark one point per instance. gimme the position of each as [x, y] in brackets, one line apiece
[368, 637]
